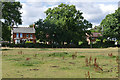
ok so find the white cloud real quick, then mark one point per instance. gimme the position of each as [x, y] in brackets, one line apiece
[32, 13]
[108, 8]
[69, 0]
[93, 12]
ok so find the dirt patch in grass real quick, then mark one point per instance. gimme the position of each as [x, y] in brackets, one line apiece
[54, 66]
[71, 62]
[33, 69]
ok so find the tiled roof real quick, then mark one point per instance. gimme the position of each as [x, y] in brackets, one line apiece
[23, 30]
[96, 34]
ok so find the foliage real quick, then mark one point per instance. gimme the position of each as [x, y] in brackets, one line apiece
[28, 42]
[40, 30]
[96, 29]
[63, 24]
[12, 16]
[111, 25]
[98, 44]
[31, 26]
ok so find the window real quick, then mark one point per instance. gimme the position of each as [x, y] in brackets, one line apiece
[21, 35]
[17, 35]
[27, 35]
[17, 41]
[93, 38]
[31, 35]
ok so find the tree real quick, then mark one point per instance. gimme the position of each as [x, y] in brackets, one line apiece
[97, 29]
[66, 24]
[111, 25]
[40, 30]
[12, 16]
[31, 26]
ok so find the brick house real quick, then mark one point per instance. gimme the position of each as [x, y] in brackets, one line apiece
[23, 34]
[93, 36]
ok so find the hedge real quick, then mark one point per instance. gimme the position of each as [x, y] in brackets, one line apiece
[39, 45]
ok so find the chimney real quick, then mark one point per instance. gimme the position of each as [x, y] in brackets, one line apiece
[33, 25]
[119, 4]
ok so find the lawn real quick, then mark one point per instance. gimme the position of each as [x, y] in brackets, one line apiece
[58, 63]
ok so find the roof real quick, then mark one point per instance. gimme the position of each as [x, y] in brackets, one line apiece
[96, 34]
[23, 30]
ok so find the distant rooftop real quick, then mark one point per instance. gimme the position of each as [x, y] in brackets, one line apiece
[23, 30]
[95, 34]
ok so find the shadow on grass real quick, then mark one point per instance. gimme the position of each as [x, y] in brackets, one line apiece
[29, 63]
[6, 49]
[106, 57]
[58, 54]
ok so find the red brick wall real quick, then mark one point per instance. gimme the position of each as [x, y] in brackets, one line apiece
[24, 36]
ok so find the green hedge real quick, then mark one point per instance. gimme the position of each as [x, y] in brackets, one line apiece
[83, 45]
[26, 45]
[104, 44]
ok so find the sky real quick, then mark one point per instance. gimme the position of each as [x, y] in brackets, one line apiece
[93, 10]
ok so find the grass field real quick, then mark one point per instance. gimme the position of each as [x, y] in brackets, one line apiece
[50, 63]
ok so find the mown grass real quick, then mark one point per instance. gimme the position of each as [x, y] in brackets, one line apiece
[49, 63]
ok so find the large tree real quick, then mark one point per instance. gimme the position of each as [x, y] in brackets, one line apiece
[12, 16]
[111, 25]
[40, 30]
[65, 24]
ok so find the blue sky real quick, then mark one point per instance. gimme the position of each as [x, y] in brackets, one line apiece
[93, 10]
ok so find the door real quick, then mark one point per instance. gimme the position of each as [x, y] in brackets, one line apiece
[17, 41]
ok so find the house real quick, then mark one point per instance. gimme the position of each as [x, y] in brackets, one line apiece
[23, 34]
[93, 36]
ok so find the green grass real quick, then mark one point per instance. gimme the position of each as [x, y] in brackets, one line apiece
[49, 63]
[58, 54]
[81, 56]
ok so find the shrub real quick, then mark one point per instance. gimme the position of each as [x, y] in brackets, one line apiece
[28, 42]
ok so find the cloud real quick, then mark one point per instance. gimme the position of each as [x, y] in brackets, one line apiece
[32, 13]
[69, 0]
[94, 12]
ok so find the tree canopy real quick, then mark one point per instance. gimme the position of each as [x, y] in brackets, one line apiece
[111, 25]
[12, 16]
[64, 24]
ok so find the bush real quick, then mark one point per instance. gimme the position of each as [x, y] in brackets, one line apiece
[104, 44]
[28, 42]
[98, 44]
[27, 45]
[84, 45]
